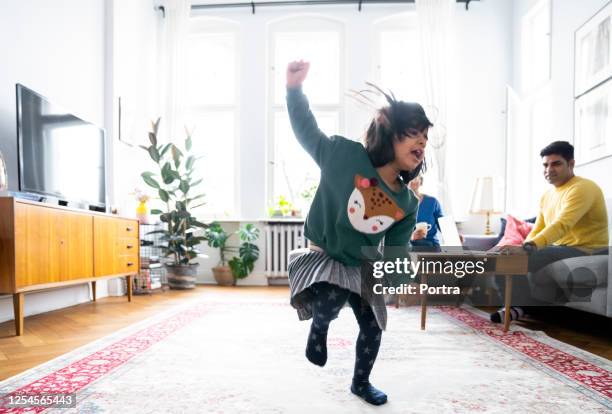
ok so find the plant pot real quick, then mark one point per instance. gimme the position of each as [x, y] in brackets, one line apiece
[223, 276]
[142, 213]
[182, 277]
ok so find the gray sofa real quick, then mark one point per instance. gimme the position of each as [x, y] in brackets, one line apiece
[590, 275]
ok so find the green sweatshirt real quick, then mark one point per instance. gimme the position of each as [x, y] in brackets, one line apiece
[353, 207]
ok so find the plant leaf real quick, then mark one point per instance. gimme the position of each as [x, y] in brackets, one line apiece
[166, 173]
[155, 211]
[149, 180]
[189, 200]
[155, 125]
[165, 149]
[153, 138]
[153, 153]
[184, 187]
[189, 163]
[157, 232]
[163, 194]
[176, 155]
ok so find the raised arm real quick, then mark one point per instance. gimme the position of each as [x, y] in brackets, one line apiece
[303, 122]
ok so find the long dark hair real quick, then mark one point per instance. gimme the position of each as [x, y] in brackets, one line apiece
[389, 125]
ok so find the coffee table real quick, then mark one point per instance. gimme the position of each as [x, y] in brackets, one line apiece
[496, 264]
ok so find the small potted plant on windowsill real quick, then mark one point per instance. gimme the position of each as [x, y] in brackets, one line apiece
[174, 183]
[282, 208]
[227, 272]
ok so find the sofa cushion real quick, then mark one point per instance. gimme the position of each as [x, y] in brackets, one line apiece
[502, 229]
[515, 232]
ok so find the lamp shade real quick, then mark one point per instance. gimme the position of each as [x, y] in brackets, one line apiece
[483, 196]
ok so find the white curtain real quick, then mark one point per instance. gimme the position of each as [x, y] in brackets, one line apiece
[434, 19]
[173, 36]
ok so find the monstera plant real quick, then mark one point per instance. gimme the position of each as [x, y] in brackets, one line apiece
[174, 182]
[239, 266]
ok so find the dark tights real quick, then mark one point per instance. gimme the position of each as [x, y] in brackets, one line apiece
[326, 304]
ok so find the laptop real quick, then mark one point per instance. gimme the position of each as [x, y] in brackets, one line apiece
[451, 242]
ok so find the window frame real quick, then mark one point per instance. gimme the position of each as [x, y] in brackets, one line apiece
[299, 23]
[394, 22]
[200, 26]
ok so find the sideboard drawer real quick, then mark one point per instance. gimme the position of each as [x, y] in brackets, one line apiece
[115, 239]
[127, 264]
[127, 246]
[127, 228]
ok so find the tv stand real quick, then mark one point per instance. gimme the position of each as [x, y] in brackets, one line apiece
[45, 246]
[26, 196]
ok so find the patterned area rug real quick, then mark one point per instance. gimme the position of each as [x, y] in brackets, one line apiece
[227, 357]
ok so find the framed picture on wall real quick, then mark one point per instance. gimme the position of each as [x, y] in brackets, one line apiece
[593, 49]
[593, 124]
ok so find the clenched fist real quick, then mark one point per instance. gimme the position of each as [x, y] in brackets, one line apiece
[296, 73]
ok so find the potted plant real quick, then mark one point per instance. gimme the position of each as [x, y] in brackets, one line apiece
[174, 182]
[227, 272]
[142, 211]
[281, 208]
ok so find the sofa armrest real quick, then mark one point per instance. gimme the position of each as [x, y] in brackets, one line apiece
[479, 241]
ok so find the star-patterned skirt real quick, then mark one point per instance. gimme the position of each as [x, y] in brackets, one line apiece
[307, 267]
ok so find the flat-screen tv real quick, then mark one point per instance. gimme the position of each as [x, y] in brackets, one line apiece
[60, 155]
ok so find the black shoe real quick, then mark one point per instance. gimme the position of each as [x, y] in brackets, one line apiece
[369, 393]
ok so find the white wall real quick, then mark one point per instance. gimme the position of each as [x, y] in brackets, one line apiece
[135, 78]
[568, 15]
[482, 67]
[56, 48]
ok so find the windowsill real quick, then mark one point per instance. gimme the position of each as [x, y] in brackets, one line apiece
[257, 220]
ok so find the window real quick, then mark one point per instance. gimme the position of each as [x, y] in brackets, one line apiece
[398, 68]
[291, 170]
[536, 41]
[536, 100]
[211, 112]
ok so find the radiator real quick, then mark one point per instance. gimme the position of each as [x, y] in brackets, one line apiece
[281, 238]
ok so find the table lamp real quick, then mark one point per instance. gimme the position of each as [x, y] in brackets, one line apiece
[483, 201]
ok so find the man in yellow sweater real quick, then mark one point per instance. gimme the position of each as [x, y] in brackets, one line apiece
[572, 222]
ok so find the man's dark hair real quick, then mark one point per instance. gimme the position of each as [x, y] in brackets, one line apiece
[562, 148]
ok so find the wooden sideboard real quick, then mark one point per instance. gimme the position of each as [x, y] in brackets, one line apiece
[45, 246]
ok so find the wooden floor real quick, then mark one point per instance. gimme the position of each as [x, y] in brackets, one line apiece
[54, 333]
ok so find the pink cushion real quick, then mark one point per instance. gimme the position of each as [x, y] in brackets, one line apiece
[516, 232]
